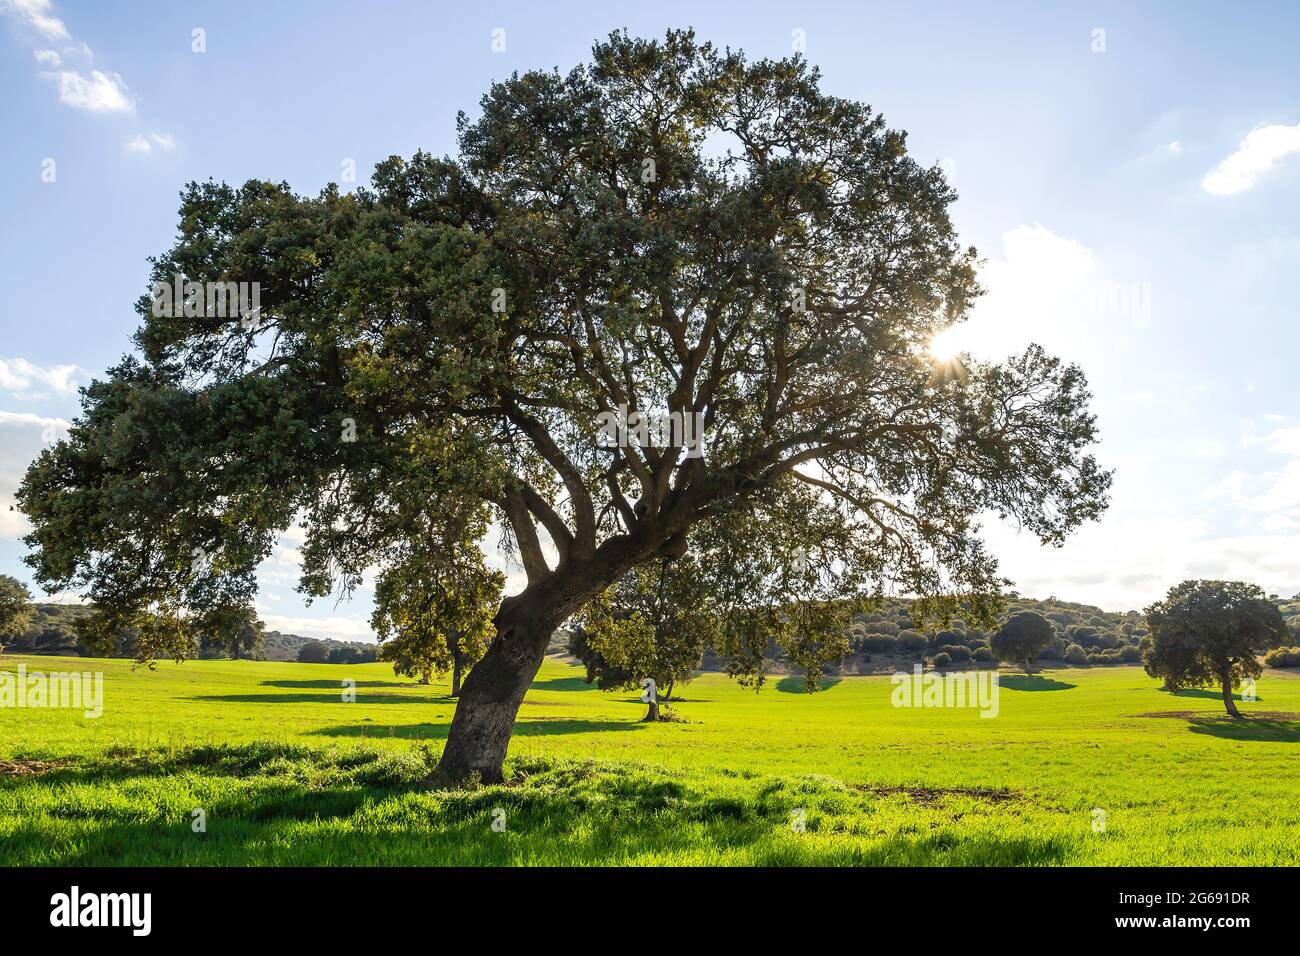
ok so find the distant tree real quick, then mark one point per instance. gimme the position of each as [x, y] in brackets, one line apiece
[435, 616]
[1283, 657]
[236, 631]
[15, 607]
[1022, 637]
[1208, 633]
[653, 623]
[314, 652]
[912, 643]
[343, 654]
[1075, 654]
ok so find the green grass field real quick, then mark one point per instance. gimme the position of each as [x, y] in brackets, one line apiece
[288, 773]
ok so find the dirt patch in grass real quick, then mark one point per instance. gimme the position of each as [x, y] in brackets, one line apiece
[28, 768]
[933, 794]
[1202, 715]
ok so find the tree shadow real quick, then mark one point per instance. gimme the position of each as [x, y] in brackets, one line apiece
[562, 683]
[290, 816]
[1247, 729]
[1204, 694]
[336, 683]
[795, 684]
[543, 727]
[334, 698]
[1033, 682]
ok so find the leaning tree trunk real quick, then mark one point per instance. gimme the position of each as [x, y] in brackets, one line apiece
[1227, 698]
[495, 686]
[490, 699]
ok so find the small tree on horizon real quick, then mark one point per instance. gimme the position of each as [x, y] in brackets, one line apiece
[1022, 637]
[314, 652]
[1211, 633]
[435, 617]
[16, 607]
[234, 631]
[656, 622]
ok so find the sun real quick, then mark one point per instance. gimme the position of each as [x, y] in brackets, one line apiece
[946, 346]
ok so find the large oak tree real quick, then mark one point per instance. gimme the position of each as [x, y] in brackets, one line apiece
[669, 228]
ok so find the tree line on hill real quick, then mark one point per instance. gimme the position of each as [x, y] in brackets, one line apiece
[659, 626]
[52, 629]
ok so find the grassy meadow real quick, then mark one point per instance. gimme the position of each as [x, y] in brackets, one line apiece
[287, 773]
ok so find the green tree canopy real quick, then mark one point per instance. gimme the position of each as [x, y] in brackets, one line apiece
[434, 603]
[655, 623]
[1022, 637]
[669, 228]
[314, 652]
[1211, 633]
[15, 605]
[237, 631]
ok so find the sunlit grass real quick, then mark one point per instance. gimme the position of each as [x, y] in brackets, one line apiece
[287, 773]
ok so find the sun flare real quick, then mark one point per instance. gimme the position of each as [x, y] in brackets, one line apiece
[947, 345]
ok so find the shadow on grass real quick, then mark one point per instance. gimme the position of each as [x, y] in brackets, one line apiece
[359, 806]
[1204, 694]
[795, 684]
[438, 731]
[1249, 728]
[562, 683]
[428, 835]
[336, 684]
[1033, 682]
[334, 698]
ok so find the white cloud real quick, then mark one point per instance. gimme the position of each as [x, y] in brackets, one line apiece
[24, 379]
[1284, 441]
[38, 14]
[47, 57]
[139, 144]
[1272, 492]
[1033, 293]
[27, 419]
[22, 436]
[99, 92]
[1262, 147]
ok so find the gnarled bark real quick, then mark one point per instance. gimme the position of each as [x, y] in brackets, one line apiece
[494, 689]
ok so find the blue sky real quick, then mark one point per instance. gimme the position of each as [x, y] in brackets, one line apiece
[1135, 194]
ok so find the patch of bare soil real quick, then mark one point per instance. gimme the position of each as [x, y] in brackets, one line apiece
[27, 768]
[1202, 715]
[932, 794]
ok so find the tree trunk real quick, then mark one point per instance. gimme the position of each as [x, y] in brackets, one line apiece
[495, 686]
[1227, 698]
[652, 713]
[456, 669]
